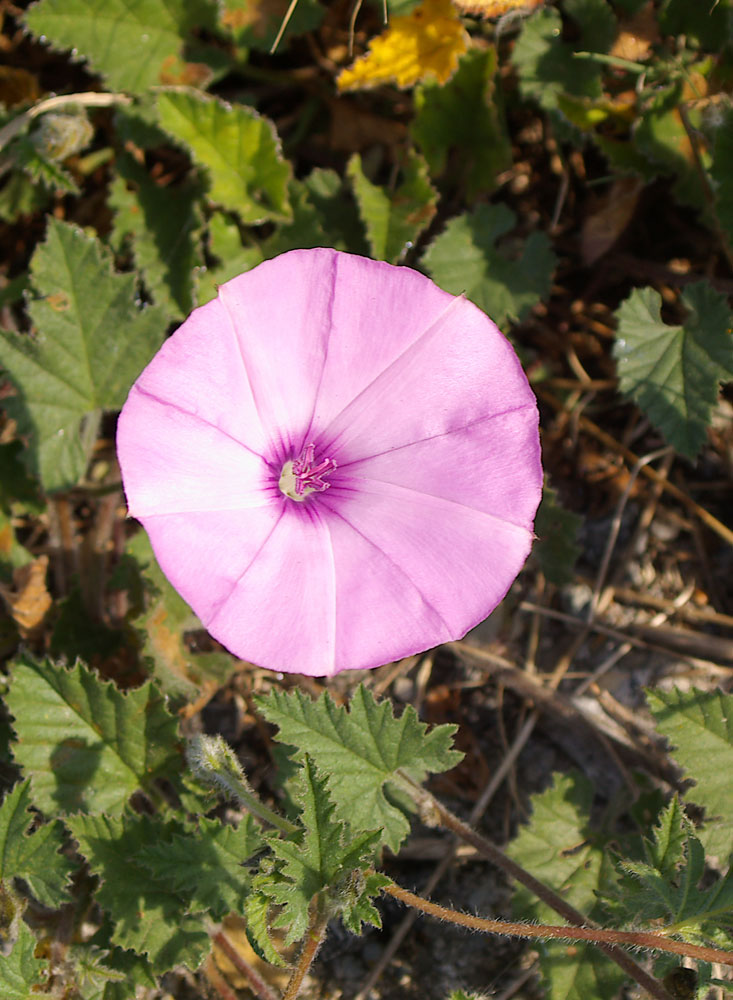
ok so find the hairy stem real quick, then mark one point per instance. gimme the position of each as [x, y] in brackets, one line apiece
[431, 807]
[635, 939]
[313, 941]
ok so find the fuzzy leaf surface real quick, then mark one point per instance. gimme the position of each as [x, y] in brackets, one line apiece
[394, 219]
[21, 970]
[163, 224]
[699, 725]
[33, 857]
[150, 918]
[665, 888]
[238, 149]
[673, 372]
[92, 341]
[558, 847]
[465, 259]
[461, 123]
[324, 857]
[361, 750]
[130, 42]
[206, 864]
[84, 744]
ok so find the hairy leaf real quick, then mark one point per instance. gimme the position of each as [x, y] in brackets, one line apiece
[206, 863]
[150, 918]
[238, 149]
[461, 123]
[362, 750]
[21, 971]
[84, 744]
[33, 857]
[465, 259]
[395, 218]
[558, 847]
[92, 340]
[324, 857]
[130, 42]
[699, 725]
[673, 372]
[163, 224]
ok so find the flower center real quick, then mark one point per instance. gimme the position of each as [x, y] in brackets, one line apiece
[303, 475]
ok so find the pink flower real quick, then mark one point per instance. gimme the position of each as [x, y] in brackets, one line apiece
[337, 463]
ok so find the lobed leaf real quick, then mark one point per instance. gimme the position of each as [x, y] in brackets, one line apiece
[33, 857]
[673, 372]
[164, 226]
[362, 750]
[207, 864]
[325, 858]
[462, 123]
[394, 219]
[20, 971]
[75, 729]
[92, 340]
[150, 918]
[464, 259]
[130, 42]
[238, 149]
[560, 850]
[699, 725]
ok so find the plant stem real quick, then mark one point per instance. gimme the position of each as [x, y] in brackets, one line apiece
[636, 939]
[429, 805]
[313, 940]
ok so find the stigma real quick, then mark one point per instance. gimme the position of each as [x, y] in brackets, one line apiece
[303, 475]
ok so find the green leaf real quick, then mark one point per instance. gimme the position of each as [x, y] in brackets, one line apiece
[323, 858]
[257, 911]
[21, 970]
[33, 857]
[206, 864]
[84, 744]
[238, 149]
[92, 341]
[149, 917]
[163, 224]
[558, 847]
[465, 259]
[394, 219]
[721, 170]
[711, 27]
[673, 372]
[461, 124]
[41, 169]
[130, 42]
[546, 64]
[557, 546]
[699, 725]
[362, 750]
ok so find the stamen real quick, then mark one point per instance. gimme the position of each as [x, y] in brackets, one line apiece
[302, 476]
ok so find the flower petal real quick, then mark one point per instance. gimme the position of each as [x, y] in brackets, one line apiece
[460, 370]
[445, 565]
[166, 469]
[200, 370]
[475, 465]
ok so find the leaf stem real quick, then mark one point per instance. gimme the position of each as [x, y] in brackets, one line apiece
[313, 941]
[89, 99]
[635, 939]
[429, 805]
